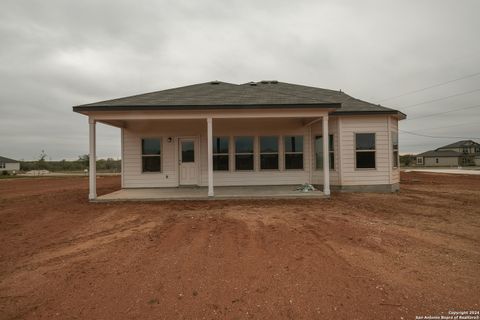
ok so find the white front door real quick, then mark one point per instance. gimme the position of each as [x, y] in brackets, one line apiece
[187, 161]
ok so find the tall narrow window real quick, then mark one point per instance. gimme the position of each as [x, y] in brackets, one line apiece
[319, 152]
[244, 153]
[220, 153]
[268, 152]
[395, 148]
[293, 152]
[151, 155]
[365, 150]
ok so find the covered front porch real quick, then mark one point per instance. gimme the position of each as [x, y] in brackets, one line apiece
[201, 193]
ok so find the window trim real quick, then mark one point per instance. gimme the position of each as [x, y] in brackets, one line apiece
[291, 152]
[260, 153]
[329, 152]
[222, 153]
[355, 151]
[420, 162]
[243, 153]
[151, 155]
[394, 150]
[3, 165]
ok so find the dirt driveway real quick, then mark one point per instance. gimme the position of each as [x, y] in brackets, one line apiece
[355, 256]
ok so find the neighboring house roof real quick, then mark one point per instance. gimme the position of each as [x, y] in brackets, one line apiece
[223, 95]
[446, 153]
[7, 160]
[461, 144]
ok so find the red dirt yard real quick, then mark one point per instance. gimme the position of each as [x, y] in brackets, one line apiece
[354, 256]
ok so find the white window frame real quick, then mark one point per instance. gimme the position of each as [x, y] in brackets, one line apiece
[330, 163]
[293, 152]
[369, 150]
[262, 153]
[421, 160]
[151, 155]
[223, 153]
[394, 158]
[235, 153]
[3, 165]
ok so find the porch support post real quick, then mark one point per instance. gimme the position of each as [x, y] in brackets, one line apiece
[210, 156]
[92, 157]
[326, 156]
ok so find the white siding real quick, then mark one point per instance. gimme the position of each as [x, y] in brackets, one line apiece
[136, 130]
[317, 174]
[163, 129]
[365, 124]
[395, 173]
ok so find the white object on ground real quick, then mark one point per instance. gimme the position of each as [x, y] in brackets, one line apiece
[306, 187]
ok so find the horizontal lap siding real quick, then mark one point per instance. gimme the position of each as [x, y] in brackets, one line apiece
[365, 124]
[395, 175]
[317, 175]
[135, 131]
[257, 127]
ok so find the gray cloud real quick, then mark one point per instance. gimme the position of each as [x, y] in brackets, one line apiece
[57, 54]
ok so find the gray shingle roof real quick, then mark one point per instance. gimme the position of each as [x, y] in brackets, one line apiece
[7, 160]
[461, 144]
[219, 95]
[435, 153]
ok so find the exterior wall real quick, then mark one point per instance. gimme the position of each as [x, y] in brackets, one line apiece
[135, 131]
[343, 131]
[395, 171]
[12, 166]
[382, 174]
[477, 160]
[442, 161]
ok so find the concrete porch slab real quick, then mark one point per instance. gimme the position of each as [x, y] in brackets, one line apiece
[200, 193]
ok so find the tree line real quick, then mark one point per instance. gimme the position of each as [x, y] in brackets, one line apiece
[82, 163]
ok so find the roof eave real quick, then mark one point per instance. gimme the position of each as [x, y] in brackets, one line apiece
[401, 115]
[87, 108]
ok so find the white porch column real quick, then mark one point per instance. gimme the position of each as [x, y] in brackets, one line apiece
[92, 157]
[210, 156]
[326, 156]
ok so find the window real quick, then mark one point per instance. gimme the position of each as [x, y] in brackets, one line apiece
[436, 160]
[293, 152]
[466, 150]
[268, 152]
[419, 160]
[188, 151]
[220, 153]
[2, 165]
[395, 148]
[151, 155]
[244, 153]
[319, 152]
[365, 150]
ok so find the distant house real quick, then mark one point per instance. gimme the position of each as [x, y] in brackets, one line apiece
[7, 164]
[461, 153]
[266, 133]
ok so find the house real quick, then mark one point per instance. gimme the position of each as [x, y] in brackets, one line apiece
[461, 153]
[266, 133]
[9, 165]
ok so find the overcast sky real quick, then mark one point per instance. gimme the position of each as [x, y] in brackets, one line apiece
[56, 54]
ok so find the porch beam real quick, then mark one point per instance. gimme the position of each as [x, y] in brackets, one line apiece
[159, 115]
[312, 122]
[326, 156]
[92, 157]
[210, 156]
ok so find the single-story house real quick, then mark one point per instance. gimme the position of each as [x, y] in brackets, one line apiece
[266, 133]
[9, 165]
[460, 153]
